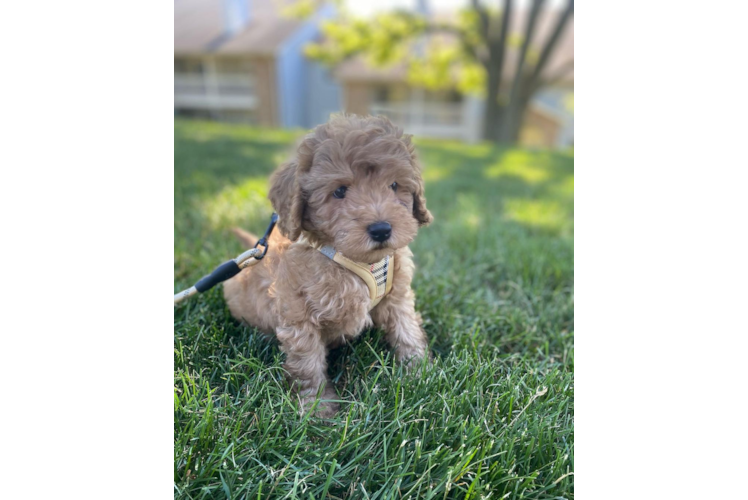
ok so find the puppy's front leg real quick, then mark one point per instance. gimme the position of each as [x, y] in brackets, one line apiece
[396, 315]
[306, 364]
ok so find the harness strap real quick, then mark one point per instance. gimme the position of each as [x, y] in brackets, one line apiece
[377, 276]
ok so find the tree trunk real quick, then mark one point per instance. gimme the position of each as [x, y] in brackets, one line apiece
[492, 109]
[518, 119]
[505, 121]
[516, 107]
[533, 83]
[511, 120]
[496, 44]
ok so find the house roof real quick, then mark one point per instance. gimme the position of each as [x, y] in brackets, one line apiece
[199, 28]
[260, 37]
[196, 24]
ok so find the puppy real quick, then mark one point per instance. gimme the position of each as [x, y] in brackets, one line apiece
[349, 205]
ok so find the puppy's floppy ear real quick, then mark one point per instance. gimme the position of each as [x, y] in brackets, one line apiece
[286, 194]
[420, 212]
[283, 193]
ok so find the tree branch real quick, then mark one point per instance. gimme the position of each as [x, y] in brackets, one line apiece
[560, 75]
[497, 49]
[529, 32]
[483, 15]
[550, 45]
[534, 81]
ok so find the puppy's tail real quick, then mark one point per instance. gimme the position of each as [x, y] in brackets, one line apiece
[248, 239]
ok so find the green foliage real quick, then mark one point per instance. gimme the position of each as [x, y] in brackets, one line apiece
[438, 56]
[300, 9]
[493, 415]
[444, 67]
[384, 41]
[468, 23]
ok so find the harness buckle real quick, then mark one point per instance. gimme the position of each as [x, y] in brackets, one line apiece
[264, 240]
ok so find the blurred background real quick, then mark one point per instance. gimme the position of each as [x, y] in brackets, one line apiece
[639, 75]
[464, 70]
[591, 152]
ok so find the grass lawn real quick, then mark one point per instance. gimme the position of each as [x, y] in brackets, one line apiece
[492, 418]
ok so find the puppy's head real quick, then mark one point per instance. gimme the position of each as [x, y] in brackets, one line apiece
[356, 185]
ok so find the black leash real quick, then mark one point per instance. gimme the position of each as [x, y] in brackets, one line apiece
[231, 267]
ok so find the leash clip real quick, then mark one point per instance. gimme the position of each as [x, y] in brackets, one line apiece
[264, 240]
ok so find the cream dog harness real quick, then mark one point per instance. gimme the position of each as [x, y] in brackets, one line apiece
[377, 276]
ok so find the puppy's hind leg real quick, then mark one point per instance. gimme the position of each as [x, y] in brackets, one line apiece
[306, 365]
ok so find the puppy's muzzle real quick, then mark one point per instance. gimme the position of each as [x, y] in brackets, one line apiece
[380, 231]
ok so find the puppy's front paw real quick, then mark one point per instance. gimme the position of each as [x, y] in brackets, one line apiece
[327, 406]
[412, 357]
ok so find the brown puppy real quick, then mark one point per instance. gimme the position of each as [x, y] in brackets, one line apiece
[352, 177]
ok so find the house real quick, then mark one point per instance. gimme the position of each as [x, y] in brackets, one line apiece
[442, 114]
[242, 60]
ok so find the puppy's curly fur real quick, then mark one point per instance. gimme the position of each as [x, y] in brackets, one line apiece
[310, 302]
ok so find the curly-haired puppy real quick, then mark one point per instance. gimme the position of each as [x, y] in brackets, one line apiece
[349, 205]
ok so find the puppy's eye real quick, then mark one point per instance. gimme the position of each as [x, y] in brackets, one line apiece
[394, 186]
[340, 192]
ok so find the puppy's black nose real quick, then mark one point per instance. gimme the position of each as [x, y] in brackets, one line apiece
[380, 231]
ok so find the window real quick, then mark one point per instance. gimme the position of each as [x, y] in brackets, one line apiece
[188, 66]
